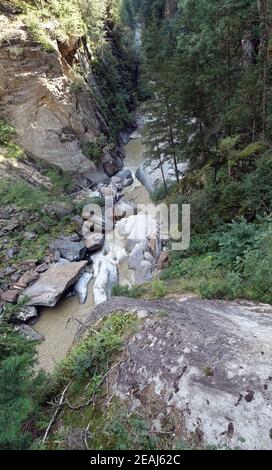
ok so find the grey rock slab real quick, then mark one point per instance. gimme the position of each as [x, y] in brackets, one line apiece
[53, 283]
[205, 364]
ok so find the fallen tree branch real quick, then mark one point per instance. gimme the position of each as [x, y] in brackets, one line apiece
[48, 429]
[88, 402]
[86, 435]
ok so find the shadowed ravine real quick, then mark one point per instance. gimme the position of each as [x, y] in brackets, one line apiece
[59, 324]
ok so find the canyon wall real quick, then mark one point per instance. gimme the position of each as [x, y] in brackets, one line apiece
[50, 97]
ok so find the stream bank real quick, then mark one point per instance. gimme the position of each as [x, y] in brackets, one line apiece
[58, 325]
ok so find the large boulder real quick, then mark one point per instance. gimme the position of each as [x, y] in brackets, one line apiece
[40, 99]
[149, 173]
[126, 177]
[53, 283]
[203, 370]
[81, 287]
[137, 255]
[24, 314]
[29, 333]
[72, 251]
[106, 279]
[123, 209]
[94, 241]
[144, 272]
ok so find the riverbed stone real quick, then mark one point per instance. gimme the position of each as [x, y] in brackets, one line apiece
[77, 224]
[123, 208]
[148, 257]
[42, 268]
[27, 278]
[136, 256]
[163, 261]
[25, 314]
[126, 177]
[149, 173]
[72, 251]
[135, 135]
[81, 287]
[53, 283]
[143, 273]
[59, 209]
[106, 279]
[10, 296]
[94, 241]
[29, 333]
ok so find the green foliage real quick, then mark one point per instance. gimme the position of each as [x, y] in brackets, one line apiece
[115, 98]
[13, 151]
[159, 194]
[92, 358]
[6, 132]
[62, 181]
[252, 150]
[24, 195]
[33, 200]
[237, 262]
[235, 241]
[35, 26]
[22, 390]
[127, 291]
[12, 309]
[92, 151]
[158, 289]
[125, 432]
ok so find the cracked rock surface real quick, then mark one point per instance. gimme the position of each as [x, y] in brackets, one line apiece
[204, 365]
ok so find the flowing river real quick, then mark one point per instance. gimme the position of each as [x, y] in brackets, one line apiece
[59, 324]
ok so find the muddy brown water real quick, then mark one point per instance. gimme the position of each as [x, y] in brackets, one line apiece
[59, 324]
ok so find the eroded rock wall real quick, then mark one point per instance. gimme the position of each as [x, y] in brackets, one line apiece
[52, 107]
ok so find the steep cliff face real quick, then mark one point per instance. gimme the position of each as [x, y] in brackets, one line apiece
[49, 97]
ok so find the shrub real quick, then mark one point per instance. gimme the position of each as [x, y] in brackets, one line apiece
[159, 194]
[127, 291]
[234, 243]
[92, 151]
[6, 132]
[91, 359]
[22, 390]
[158, 289]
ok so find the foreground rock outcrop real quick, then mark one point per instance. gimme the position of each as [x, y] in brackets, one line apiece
[204, 365]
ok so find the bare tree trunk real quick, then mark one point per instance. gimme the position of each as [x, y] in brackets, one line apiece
[172, 140]
[264, 20]
[162, 172]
